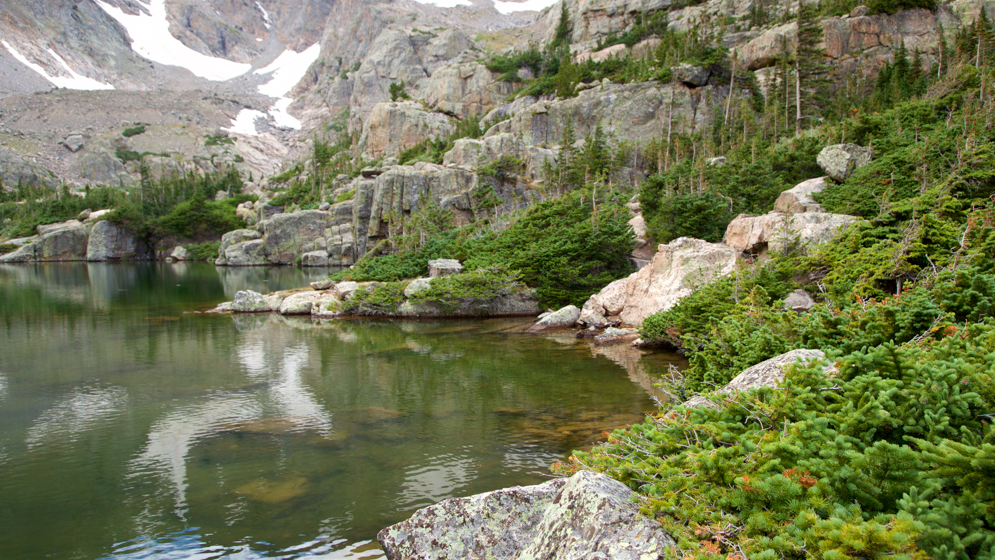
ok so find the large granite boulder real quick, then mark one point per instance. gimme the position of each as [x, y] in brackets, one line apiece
[302, 303]
[67, 243]
[286, 237]
[247, 301]
[396, 126]
[231, 239]
[768, 373]
[109, 242]
[560, 319]
[799, 198]
[443, 267]
[677, 270]
[15, 171]
[841, 160]
[587, 516]
[779, 232]
[766, 49]
[511, 305]
[464, 89]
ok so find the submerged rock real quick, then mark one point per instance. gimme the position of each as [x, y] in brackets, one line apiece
[589, 515]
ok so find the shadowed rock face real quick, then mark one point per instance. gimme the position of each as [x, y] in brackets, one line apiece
[589, 515]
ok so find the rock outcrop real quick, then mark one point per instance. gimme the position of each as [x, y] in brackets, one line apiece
[768, 373]
[59, 242]
[589, 515]
[108, 242]
[780, 232]
[841, 160]
[678, 269]
[799, 198]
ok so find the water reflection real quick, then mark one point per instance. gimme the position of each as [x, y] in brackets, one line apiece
[74, 414]
[131, 429]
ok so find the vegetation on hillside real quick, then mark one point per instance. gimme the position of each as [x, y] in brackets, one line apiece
[889, 454]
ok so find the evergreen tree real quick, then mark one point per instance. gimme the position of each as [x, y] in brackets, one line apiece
[811, 71]
[563, 28]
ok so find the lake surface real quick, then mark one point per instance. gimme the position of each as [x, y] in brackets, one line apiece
[133, 428]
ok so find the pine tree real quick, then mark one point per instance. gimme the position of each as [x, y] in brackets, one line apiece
[563, 28]
[811, 71]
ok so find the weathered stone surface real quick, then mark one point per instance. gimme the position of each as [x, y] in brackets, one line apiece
[232, 238]
[344, 290]
[799, 300]
[73, 142]
[613, 335]
[799, 198]
[444, 267]
[326, 284]
[15, 171]
[247, 301]
[416, 286]
[764, 50]
[840, 161]
[676, 271]
[396, 126]
[768, 373]
[299, 303]
[108, 242]
[562, 318]
[589, 515]
[779, 232]
[288, 236]
[691, 75]
[464, 89]
[246, 253]
[45, 229]
[315, 258]
[179, 253]
[65, 244]
[100, 166]
[513, 305]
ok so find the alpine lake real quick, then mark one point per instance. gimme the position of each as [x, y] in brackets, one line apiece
[133, 426]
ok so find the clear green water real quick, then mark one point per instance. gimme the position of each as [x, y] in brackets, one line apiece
[131, 428]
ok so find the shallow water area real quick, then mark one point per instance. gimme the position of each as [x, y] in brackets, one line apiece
[133, 428]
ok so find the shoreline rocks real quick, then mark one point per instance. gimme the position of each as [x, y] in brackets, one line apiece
[589, 515]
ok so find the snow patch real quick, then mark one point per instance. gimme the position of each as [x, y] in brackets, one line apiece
[266, 20]
[287, 70]
[151, 39]
[245, 122]
[527, 5]
[75, 81]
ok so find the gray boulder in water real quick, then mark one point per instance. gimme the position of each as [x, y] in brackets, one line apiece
[589, 515]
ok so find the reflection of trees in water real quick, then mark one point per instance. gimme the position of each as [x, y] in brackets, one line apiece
[264, 279]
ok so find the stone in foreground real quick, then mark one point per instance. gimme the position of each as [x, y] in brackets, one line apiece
[588, 515]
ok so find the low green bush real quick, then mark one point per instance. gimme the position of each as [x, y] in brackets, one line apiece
[133, 131]
[206, 251]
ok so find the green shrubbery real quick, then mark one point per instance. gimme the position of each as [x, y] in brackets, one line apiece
[206, 251]
[589, 249]
[888, 458]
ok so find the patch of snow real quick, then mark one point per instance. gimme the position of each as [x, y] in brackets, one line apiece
[245, 122]
[288, 69]
[527, 5]
[151, 39]
[75, 81]
[280, 115]
[445, 3]
[266, 21]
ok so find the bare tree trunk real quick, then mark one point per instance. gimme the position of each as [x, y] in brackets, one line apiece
[732, 88]
[798, 98]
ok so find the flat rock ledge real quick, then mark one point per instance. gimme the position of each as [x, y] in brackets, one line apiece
[586, 516]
